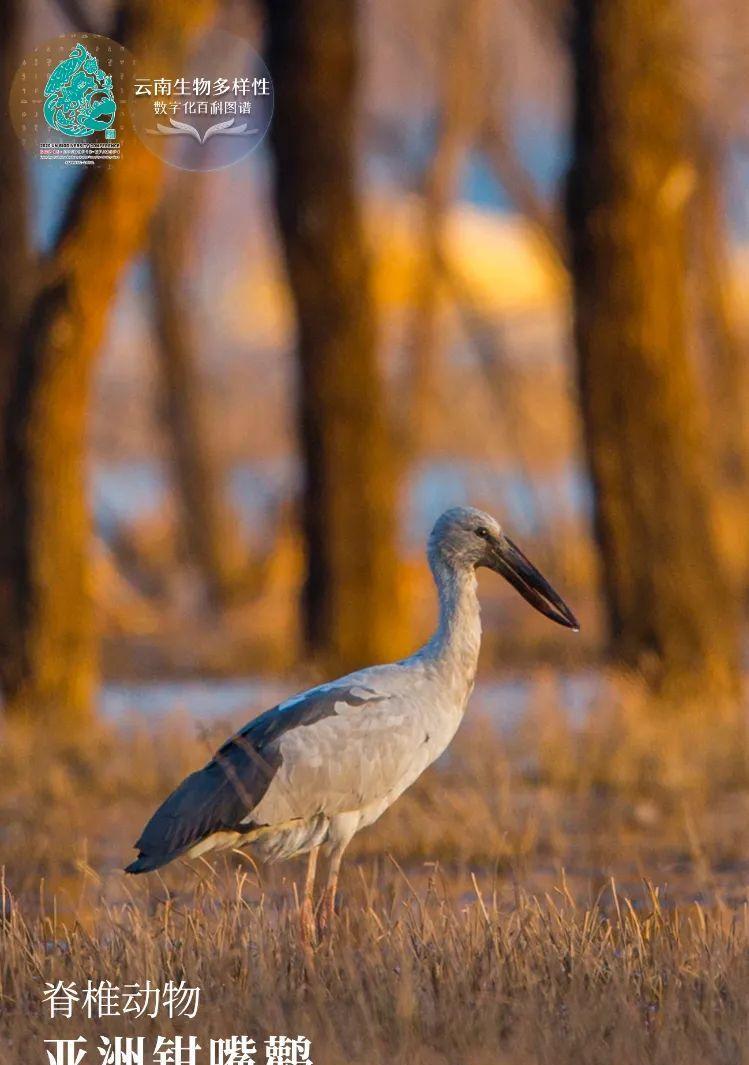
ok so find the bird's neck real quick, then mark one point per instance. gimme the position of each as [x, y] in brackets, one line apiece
[454, 648]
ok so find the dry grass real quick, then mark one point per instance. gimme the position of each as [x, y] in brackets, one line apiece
[460, 938]
[407, 978]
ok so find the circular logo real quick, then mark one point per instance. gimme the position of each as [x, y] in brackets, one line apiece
[208, 111]
[68, 97]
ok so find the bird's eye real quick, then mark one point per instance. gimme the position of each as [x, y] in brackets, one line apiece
[482, 532]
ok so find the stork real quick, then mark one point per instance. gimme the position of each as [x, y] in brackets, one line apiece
[309, 773]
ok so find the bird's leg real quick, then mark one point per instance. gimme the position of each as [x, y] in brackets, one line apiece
[327, 905]
[307, 913]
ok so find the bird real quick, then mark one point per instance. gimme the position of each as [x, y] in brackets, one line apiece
[305, 776]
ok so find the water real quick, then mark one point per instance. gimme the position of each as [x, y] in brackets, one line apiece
[504, 701]
[205, 701]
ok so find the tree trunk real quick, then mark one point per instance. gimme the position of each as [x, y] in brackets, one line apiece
[196, 482]
[48, 646]
[348, 507]
[728, 372]
[669, 608]
[15, 259]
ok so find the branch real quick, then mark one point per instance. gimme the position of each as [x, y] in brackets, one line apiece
[521, 188]
[457, 130]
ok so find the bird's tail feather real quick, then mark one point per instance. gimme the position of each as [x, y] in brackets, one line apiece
[146, 863]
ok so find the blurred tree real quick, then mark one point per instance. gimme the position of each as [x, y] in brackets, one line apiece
[79, 17]
[630, 185]
[348, 506]
[729, 373]
[15, 258]
[204, 523]
[47, 634]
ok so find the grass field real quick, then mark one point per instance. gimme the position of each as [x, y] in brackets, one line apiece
[546, 896]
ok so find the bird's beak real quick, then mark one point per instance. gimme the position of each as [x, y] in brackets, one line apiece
[508, 560]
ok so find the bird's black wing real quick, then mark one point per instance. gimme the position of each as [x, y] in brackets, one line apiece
[221, 795]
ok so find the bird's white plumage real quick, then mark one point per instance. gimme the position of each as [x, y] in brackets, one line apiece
[349, 767]
[330, 760]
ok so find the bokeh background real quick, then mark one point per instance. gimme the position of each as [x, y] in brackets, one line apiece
[494, 254]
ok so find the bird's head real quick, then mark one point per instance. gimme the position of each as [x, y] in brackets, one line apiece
[465, 537]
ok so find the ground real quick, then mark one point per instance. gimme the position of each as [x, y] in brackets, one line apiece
[547, 893]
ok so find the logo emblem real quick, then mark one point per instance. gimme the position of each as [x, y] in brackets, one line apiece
[78, 99]
[205, 110]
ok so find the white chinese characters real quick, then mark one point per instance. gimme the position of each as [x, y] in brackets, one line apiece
[103, 999]
[181, 1050]
[202, 86]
